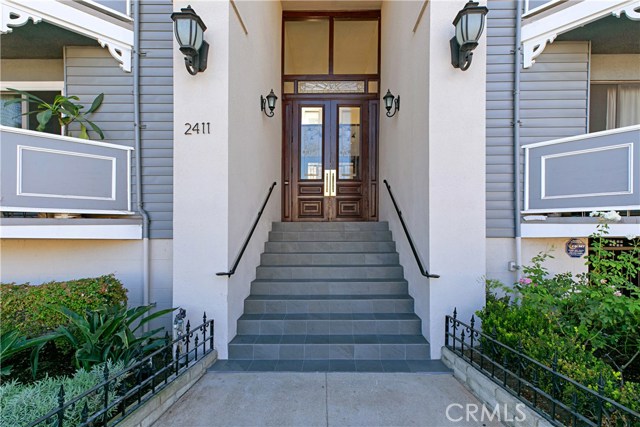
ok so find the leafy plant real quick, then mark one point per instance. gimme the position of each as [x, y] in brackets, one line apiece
[22, 404]
[111, 333]
[64, 109]
[12, 343]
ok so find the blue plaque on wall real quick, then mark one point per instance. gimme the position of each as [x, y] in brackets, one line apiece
[575, 248]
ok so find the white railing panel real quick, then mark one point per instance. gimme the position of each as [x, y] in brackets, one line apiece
[597, 171]
[52, 173]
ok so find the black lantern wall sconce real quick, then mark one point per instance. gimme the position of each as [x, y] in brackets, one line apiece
[189, 32]
[268, 101]
[390, 102]
[469, 23]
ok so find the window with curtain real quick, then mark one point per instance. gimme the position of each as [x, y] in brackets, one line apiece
[614, 105]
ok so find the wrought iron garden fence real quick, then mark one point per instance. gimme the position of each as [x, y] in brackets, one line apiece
[556, 397]
[121, 393]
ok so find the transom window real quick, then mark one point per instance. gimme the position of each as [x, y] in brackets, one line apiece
[331, 52]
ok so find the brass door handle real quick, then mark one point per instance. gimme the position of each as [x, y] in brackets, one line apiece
[330, 183]
[333, 183]
[327, 183]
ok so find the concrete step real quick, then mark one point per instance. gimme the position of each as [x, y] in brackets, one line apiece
[336, 347]
[329, 324]
[302, 304]
[329, 236]
[329, 287]
[330, 226]
[330, 247]
[330, 272]
[324, 258]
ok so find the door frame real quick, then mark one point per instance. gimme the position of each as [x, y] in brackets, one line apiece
[369, 178]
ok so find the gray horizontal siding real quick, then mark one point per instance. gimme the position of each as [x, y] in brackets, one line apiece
[90, 71]
[553, 104]
[156, 113]
[499, 132]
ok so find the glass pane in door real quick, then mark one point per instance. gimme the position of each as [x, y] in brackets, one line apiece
[349, 143]
[311, 142]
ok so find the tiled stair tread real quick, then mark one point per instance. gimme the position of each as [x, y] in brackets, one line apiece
[278, 266]
[326, 225]
[327, 339]
[330, 316]
[327, 297]
[321, 280]
[414, 366]
[318, 252]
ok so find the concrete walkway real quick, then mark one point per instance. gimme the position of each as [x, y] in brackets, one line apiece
[323, 399]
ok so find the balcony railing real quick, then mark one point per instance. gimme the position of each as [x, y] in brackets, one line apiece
[596, 171]
[58, 174]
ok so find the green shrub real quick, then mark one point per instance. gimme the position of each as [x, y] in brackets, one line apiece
[22, 404]
[27, 308]
[590, 322]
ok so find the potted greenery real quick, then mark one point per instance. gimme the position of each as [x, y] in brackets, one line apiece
[64, 109]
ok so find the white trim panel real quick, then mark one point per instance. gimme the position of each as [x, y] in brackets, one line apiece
[19, 192]
[576, 230]
[108, 11]
[583, 136]
[583, 209]
[528, 12]
[543, 172]
[109, 232]
[32, 85]
[62, 210]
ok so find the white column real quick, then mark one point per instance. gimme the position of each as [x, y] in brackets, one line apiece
[456, 159]
[201, 189]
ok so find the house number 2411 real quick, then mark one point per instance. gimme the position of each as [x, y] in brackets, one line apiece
[198, 128]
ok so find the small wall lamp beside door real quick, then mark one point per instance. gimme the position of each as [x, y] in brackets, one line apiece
[390, 102]
[469, 23]
[268, 101]
[189, 32]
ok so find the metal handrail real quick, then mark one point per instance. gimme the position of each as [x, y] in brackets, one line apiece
[246, 242]
[423, 270]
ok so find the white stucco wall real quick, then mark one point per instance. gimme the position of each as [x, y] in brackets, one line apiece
[201, 176]
[456, 175]
[39, 261]
[499, 253]
[403, 142]
[433, 156]
[561, 262]
[221, 180]
[255, 140]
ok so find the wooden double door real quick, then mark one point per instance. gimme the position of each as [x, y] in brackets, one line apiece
[330, 160]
